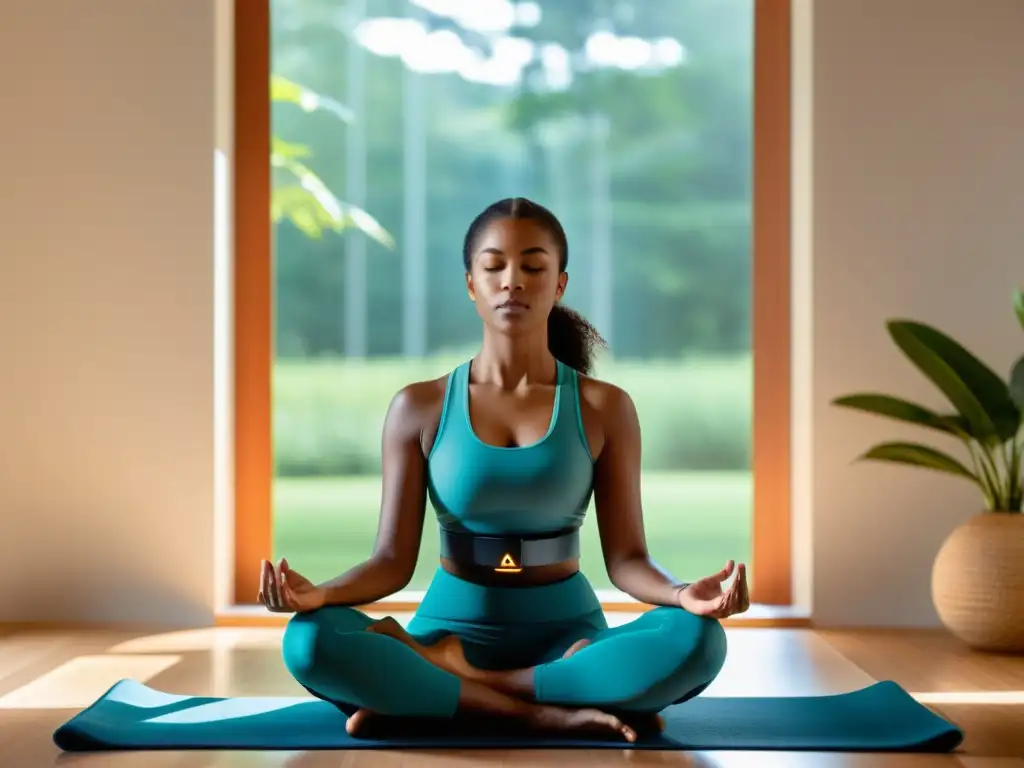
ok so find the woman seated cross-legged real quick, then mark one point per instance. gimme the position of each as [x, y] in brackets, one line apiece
[510, 447]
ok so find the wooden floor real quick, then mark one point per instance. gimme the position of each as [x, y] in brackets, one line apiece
[46, 676]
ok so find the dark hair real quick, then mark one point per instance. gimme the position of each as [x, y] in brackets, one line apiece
[571, 338]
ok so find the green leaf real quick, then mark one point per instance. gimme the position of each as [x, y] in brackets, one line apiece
[312, 207]
[974, 389]
[1017, 383]
[310, 204]
[898, 409]
[282, 148]
[312, 217]
[287, 91]
[918, 455]
[1018, 305]
[368, 225]
[302, 209]
[1015, 497]
[989, 480]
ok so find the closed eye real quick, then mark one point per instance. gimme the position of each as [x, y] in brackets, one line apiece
[525, 269]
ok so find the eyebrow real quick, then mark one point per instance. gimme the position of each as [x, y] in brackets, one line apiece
[524, 252]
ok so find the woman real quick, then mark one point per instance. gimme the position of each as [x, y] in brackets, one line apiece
[510, 447]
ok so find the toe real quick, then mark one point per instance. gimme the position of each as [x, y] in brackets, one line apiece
[386, 625]
[575, 647]
[617, 725]
[356, 722]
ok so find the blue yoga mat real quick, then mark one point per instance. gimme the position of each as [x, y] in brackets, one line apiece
[879, 718]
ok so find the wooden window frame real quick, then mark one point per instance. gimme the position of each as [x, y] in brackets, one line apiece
[253, 295]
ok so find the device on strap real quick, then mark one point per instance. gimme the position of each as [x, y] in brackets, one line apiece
[510, 554]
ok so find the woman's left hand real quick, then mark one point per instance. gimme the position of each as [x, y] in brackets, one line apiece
[707, 598]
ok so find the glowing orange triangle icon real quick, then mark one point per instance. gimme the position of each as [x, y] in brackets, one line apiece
[508, 565]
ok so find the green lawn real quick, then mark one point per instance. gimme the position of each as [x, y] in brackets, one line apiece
[695, 521]
[695, 412]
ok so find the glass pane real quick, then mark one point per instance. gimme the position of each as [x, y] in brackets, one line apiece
[395, 123]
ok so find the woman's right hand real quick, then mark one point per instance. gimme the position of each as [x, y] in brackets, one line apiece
[283, 590]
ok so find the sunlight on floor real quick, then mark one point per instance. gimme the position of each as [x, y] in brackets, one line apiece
[784, 662]
[970, 697]
[764, 760]
[222, 638]
[80, 681]
[227, 710]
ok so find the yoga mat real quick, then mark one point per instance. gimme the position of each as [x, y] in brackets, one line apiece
[879, 718]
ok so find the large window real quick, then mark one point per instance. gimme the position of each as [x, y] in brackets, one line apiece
[393, 122]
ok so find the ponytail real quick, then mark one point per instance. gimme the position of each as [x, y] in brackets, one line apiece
[571, 339]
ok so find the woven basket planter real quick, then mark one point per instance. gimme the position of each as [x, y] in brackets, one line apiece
[978, 582]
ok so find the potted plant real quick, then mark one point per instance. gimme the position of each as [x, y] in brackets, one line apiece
[978, 575]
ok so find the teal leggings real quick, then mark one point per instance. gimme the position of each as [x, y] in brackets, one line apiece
[661, 658]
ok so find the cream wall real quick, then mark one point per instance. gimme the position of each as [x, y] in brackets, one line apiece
[106, 311]
[109, 458]
[918, 196]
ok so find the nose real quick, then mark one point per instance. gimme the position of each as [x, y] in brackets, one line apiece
[512, 278]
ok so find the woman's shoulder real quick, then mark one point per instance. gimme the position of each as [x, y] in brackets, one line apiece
[420, 399]
[604, 397]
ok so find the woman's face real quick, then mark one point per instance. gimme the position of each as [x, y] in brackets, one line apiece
[514, 277]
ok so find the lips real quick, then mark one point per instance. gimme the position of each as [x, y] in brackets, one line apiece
[513, 304]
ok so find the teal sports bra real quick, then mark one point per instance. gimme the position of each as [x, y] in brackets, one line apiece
[489, 490]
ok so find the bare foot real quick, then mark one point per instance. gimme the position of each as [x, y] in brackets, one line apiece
[446, 653]
[645, 722]
[367, 724]
[641, 722]
[577, 646]
[359, 723]
[589, 721]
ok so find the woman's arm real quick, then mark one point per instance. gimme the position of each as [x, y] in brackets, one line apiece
[403, 501]
[618, 506]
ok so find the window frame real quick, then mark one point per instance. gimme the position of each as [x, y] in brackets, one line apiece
[772, 560]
